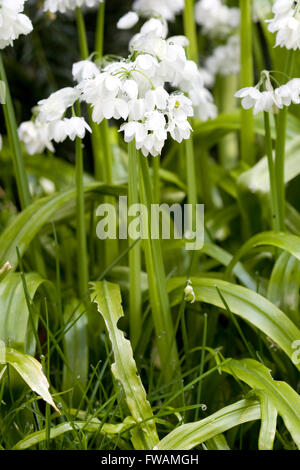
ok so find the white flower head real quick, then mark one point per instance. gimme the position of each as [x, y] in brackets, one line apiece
[64, 6]
[35, 137]
[286, 23]
[167, 9]
[189, 292]
[53, 108]
[83, 70]
[216, 18]
[128, 20]
[71, 128]
[13, 22]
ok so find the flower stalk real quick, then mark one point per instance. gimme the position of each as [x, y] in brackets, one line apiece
[16, 151]
[159, 299]
[82, 263]
[247, 121]
[135, 293]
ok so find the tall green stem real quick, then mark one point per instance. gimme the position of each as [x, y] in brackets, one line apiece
[82, 264]
[190, 29]
[16, 152]
[83, 45]
[159, 299]
[95, 138]
[280, 150]
[135, 293]
[100, 29]
[269, 152]
[247, 124]
[190, 32]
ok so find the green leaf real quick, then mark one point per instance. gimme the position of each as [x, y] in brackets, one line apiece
[281, 395]
[30, 221]
[15, 327]
[108, 299]
[75, 349]
[29, 369]
[268, 421]
[283, 287]
[252, 307]
[282, 240]
[190, 435]
[92, 426]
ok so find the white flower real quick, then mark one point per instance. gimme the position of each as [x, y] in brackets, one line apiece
[166, 8]
[252, 97]
[128, 20]
[156, 27]
[215, 18]
[72, 128]
[83, 70]
[286, 23]
[13, 22]
[156, 98]
[1, 142]
[67, 5]
[53, 108]
[189, 291]
[289, 93]
[225, 60]
[134, 130]
[35, 137]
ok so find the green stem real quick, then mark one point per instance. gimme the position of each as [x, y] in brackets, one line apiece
[156, 179]
[190, 29]
[157, 283]
[247, 127]
[280, 150]
[191, 172]
[100, 29]
[82, 264]
[191, 34]
[16, 152]
[228, 149]
[269, 152]
[95, 137]
[135, 292]
[83, 45]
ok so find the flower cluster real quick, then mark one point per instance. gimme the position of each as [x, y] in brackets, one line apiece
[279, 97]
[174, 67]
[166, 8]
[13, 22]
[50, 123]
[286, 23]
[216, 18]
[67, 5]
[135, 90]
[225, 59]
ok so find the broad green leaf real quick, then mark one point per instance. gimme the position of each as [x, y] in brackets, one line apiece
[188, 436]
[15, 326]
[283, 287]
[252, 307]
[30, 370]
[281, 395]
[92, 426]
[257, 180]
[221, 255]
[30, 221]
[75, 350]
[268, 421]
[109, 303]
[282, 240]
[217, 443]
